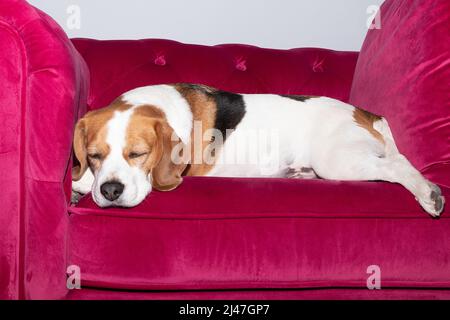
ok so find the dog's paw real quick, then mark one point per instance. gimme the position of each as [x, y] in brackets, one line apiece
[75, 197]
[300, 173]
[434, 202]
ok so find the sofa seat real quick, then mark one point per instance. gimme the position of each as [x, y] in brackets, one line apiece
[300, 294]
[228, 233]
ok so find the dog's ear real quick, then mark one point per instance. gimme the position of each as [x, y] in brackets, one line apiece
[167, 174]
[79, 147]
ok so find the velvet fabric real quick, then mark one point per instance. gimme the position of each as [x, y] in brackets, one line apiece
[44, 89]
[207, 235]
[118, 66]
[300, 294]
[300, 237]
[403, 73]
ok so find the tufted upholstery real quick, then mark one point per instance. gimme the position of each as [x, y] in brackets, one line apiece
[44, 87]
[215, 233]
[118, 66]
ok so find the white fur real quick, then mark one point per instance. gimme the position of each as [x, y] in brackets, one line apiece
[319, 133]
[84, 185]
[303, 130]
[115, 167]
[168, 100]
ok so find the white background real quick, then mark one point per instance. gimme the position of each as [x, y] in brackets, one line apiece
[334, 24]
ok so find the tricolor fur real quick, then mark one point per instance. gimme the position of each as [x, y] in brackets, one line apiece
[128, 146]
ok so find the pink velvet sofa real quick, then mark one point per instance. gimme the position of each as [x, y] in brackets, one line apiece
[222, 238]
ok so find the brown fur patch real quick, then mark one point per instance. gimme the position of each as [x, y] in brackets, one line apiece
[203, 109]
[90, 137]
[166, 175]
[366, 120]
[119, 105]
[149, 111]
[141, 137]
[148, 133]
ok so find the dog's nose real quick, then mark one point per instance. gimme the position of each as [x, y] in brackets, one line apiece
[111, 190]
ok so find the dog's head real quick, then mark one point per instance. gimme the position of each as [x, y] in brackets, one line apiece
[128, 150]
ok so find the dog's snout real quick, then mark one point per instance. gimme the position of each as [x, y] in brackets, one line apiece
[112, 190]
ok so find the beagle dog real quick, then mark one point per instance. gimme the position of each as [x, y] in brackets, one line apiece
[152, 136]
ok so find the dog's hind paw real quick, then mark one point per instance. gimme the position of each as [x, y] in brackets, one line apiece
[434, 203]
[300, 173]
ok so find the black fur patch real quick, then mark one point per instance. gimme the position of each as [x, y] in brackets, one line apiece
[230, 110]
[297, 97]
[230, 106]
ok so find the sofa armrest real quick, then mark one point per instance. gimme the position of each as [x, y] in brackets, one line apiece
[44, 89]
[403, 74]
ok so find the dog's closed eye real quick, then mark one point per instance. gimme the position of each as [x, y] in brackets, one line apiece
[135, 155]
[95, 156]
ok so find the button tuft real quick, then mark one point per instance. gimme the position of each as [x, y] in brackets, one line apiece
[160, 61]
[241, 65]
[318, 66]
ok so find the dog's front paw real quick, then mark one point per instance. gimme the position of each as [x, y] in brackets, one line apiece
[75, 197]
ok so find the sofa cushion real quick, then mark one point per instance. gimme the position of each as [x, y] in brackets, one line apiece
[403, 73]
[227, 233]
[307, 294]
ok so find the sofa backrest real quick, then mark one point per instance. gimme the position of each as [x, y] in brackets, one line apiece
[118, 66]
[403, 73]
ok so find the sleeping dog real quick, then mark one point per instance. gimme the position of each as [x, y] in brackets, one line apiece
[151, 137]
